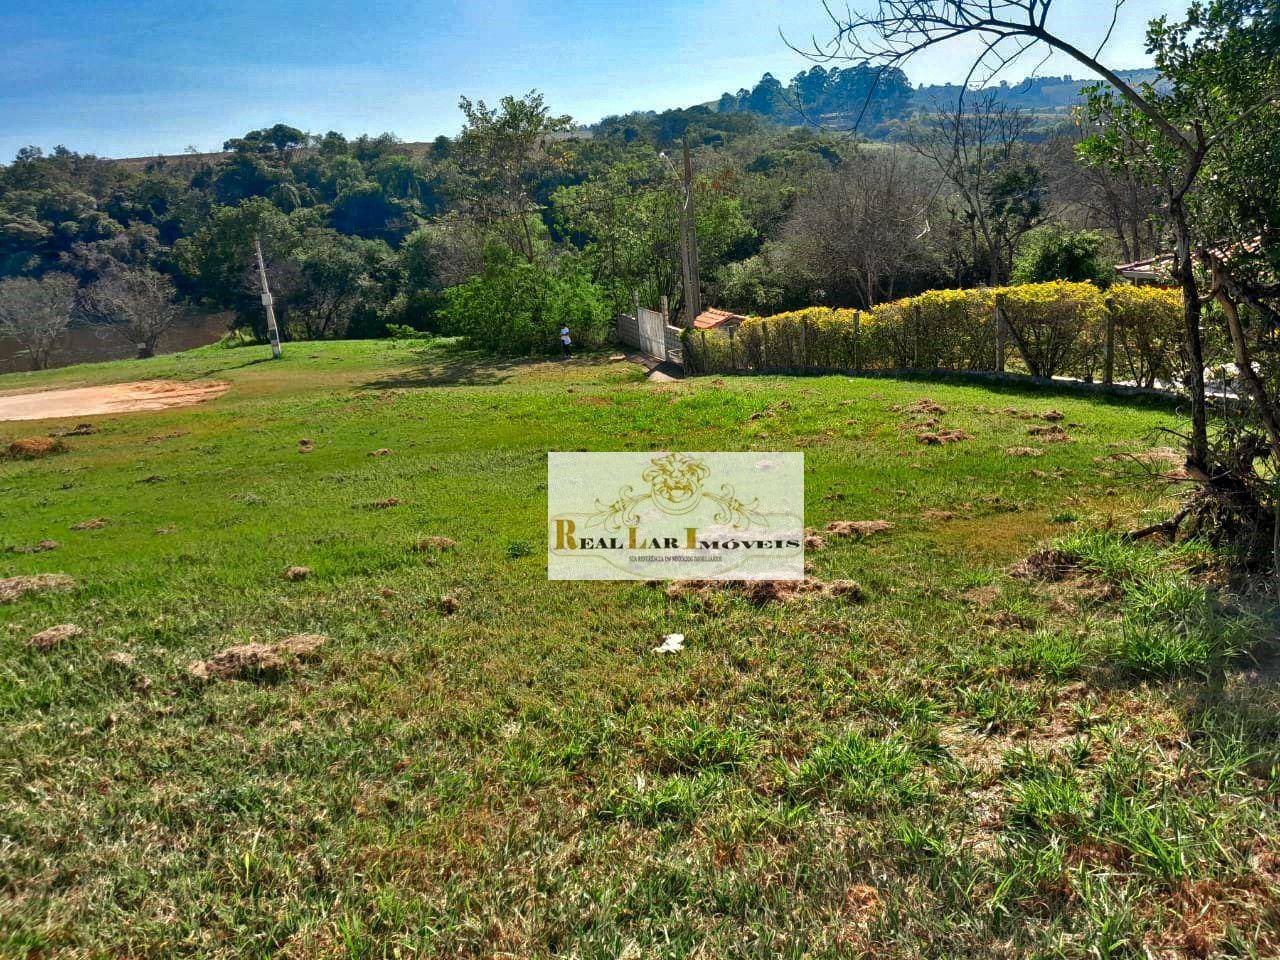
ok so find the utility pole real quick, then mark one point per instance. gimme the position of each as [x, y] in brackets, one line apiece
[272, 332]
[689, 245]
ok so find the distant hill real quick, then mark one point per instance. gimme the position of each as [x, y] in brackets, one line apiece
[860, 97]
[1037, 94]
[840, 98]
[191, 159]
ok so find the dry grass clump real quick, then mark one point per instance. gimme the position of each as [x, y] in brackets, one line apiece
[251, 659]
[857, 528]
[54, 636]
[40, 546]
[12, 588]
[924, 406]
[762, 592]
[1050, 433]
[33, 448]
[1048, 565]
[433, 544]
[940, 438]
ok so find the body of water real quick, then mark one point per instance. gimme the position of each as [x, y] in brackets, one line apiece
[93, 343]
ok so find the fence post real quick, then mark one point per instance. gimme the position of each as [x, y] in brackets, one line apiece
[857, 341]
[666, 314]
[804, 343]
[635, 303]
[764, 345]
[999, 321]
[1109, 348]
[915, 329]
[733, 353]
[703, 359]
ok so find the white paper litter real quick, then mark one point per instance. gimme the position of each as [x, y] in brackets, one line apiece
[671, 643]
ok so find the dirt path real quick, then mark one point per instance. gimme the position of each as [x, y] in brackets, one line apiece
[113, 398]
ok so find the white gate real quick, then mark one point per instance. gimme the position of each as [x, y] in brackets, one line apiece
[653, 338]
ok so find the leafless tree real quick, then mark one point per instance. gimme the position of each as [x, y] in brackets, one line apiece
[980, 149]
[1116, 201]
[866, 223]
[36, 313]
[891, 32]
[136, 306]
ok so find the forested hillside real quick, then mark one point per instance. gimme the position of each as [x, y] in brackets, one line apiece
[528, 217]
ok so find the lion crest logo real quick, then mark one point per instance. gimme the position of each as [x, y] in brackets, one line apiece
[675, 482]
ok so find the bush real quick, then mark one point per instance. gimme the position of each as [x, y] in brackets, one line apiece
[1056, 327]
[1148, 332]
[941, 329]
[1052, 328]
[1053, 253]
[517, 307]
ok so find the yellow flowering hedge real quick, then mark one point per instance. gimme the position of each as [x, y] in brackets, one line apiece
[1056, 328]
[1148, 332]
[1050, 329]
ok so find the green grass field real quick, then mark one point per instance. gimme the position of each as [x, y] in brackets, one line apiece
[960, 764]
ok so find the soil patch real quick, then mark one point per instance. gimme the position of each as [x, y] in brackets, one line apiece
[113, 398]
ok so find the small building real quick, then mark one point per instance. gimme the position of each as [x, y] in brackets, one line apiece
[713, 319]
[1157, 271]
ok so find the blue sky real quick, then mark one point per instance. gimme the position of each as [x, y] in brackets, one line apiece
[141, 77]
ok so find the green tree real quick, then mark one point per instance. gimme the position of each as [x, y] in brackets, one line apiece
[628, 223]
[516, 306]
[1059, 253]
[501, 150]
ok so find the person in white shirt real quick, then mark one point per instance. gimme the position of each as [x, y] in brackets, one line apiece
[566, 342]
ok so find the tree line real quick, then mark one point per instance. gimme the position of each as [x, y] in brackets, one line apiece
[524, 216]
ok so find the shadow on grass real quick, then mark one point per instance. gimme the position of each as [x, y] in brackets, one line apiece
[1006, 385]
[449, 365]
[436, 366]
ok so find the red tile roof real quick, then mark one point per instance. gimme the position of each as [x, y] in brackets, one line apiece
[712, 318]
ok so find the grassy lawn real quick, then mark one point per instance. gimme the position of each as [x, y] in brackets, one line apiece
[961, 763]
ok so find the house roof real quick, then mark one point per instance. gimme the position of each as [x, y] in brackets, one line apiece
[1159, 269]
[711, 318]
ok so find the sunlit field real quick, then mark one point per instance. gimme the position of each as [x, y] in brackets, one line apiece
[964, 758]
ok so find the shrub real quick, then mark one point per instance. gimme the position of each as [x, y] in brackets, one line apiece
[1051, 329]
[514, 306]
[1148, 331]
[1056, 327]
[941, 329]
[1054, 253]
